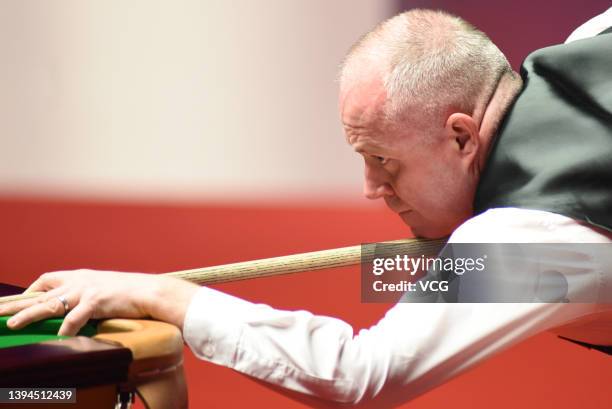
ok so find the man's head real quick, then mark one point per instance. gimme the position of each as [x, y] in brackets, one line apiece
[416, 102]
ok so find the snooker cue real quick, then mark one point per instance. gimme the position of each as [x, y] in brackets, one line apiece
[315, 260]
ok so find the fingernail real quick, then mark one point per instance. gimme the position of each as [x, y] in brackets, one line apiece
[12, 322]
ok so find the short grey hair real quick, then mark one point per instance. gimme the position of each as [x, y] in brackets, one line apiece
[431, 60]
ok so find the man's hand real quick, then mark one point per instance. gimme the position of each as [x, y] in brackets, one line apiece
[102, 294]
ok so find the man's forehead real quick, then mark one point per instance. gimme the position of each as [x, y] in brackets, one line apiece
[362, 100]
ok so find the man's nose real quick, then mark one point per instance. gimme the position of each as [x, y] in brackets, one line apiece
[375, 186]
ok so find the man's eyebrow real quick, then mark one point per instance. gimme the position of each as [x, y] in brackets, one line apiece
[351, 125]
[362, 147]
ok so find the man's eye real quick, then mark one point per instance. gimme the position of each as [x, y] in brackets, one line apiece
[381, 159]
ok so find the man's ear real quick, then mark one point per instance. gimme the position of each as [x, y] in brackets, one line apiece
[462, 130]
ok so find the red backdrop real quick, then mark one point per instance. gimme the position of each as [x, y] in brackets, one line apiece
[38, 236]
[519, 27]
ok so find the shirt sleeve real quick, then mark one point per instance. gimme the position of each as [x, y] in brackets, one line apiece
[412, 349]
[592, 27]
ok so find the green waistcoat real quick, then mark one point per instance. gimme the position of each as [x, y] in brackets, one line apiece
[553, 151]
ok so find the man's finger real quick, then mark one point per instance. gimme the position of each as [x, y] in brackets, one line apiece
[45, 282]
[49, 307]
[76, 318]
[11, 308]
[14, 307]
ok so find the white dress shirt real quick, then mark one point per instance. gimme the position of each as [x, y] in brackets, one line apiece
[415, 347]
[592, 27]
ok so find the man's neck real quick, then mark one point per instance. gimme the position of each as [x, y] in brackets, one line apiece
[507, 90]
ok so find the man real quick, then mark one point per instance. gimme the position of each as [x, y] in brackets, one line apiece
[422, 156]
[422, 99]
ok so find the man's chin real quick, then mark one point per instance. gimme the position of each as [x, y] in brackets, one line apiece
[428, 234]
[424, 230]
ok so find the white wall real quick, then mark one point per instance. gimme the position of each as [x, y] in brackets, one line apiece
[177, 99]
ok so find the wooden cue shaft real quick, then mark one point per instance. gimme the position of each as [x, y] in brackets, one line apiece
[316, 260]
[19, 297]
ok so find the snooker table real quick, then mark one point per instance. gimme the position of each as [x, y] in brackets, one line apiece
[108, 360]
